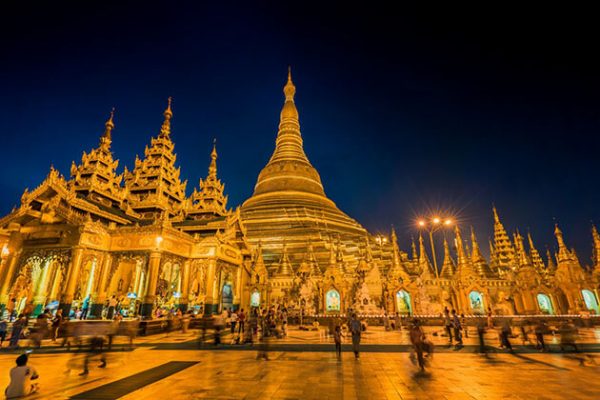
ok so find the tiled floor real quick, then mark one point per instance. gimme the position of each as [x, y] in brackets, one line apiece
[234, 374]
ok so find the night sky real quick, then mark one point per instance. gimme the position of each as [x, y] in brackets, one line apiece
[402, 112]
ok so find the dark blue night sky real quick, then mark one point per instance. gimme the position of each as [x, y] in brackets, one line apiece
[401, 112]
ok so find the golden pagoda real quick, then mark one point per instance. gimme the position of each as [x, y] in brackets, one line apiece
[139, 237]
[289, 202]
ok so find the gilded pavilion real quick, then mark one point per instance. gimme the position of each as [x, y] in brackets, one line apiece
[138, 237]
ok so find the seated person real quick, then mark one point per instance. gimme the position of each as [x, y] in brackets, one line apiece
[20, 379]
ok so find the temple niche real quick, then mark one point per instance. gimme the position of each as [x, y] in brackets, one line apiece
[100, 235]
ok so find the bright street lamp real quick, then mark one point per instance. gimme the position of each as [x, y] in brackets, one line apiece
[434, 225]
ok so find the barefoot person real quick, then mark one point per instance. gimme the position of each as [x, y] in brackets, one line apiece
[20, 379]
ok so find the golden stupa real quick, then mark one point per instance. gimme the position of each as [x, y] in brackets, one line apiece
[289, 209]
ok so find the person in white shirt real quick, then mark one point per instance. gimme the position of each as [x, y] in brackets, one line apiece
[20, 379]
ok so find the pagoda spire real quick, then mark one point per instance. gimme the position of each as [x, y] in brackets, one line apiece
[165, 129]
[211, 197]
[551, 264]
[596, 248]
[425, 268]
[109, 125]
[448, 266]
[259, 262]
[285, 267]
[415, 256]
[397, 270]
[464, 268]
[96, 175]
[563, 251]
[154, 185]
[536, 259]
[503, 248]
[312, 261]
[289, 168]
[521, 253]
[477, 259]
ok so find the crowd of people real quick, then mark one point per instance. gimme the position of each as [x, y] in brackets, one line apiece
[258, 326]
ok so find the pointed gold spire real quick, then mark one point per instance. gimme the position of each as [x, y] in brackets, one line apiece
[504, 252]
[536, 259]
[285, 267]
[425, 268]
[464, 269]
[212, 168]
[109, 125]
[477, 259]
[448, 264]
[563, 251]
[165, 129]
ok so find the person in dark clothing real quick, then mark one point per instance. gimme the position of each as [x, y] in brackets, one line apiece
[337, 338]
[480, 334]
[448, 325]
[540, 330]
[505, 332]
[457, 329]
[356, 331]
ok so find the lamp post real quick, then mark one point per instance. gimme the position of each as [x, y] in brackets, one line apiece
[432, 225]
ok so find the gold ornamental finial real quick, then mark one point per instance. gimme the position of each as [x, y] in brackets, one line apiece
[109, 125]
[212, 168]
[289, 89]
[165, 129]
[496, 218]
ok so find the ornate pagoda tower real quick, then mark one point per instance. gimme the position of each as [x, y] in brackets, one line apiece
[289, 203]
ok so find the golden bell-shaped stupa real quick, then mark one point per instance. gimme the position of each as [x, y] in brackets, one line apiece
[289, 203]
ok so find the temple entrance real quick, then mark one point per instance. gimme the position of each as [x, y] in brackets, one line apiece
[545, 304]
[403, 303]
[227, 297]
[168, 287]
[333, 301]
[255, 299]
[476, 301]
[591, 303]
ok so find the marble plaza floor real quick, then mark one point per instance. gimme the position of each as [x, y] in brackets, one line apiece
[303, 366]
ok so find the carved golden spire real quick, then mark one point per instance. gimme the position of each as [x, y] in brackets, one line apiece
[289, 168]
[212, 168]
[521, 253]
[285, 267]
[165, 129]
[479, 262]
[397, 269]
[424, 265]
[563, 251]
[503, 249]
[448, 264]
[109, 125]
[464, 269]
[536, 259]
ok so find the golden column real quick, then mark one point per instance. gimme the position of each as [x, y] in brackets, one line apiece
[9, 264]
[72, 276]
[210, 305]
[185, 286]
[99, 296]
[150, 297]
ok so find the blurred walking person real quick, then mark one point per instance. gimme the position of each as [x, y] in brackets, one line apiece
[505, 332]
[337, 338]
[540, 330]
[456, 325]
[356, 331]
[448, 325]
